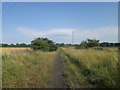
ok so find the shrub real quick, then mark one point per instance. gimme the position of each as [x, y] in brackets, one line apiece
[88, 43]
[43, 44]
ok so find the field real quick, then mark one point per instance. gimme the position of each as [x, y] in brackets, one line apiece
[23, 67]
[12, 50]
[28, 69]
[90, 67]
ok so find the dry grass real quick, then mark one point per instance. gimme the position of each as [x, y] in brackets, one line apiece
[90, 67]
[26, 69]
[11, 50]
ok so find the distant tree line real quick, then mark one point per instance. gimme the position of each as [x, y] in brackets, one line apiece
[107, 44]
[45, 44]
[93, 42]
[15, 45]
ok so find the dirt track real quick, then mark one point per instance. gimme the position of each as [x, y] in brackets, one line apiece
[58, 79]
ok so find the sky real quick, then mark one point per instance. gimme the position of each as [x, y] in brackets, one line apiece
[24, 21]
[60, 0]
[0, 22]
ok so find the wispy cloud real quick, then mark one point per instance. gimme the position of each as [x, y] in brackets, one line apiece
[103, 34]
[39, 33]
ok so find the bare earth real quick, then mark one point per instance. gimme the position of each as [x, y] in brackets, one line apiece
[58, 79]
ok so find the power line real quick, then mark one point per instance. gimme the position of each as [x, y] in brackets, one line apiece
[72, 37]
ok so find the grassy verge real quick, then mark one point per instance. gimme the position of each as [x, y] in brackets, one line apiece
[90, 68]
[13, 50]
[28, 69]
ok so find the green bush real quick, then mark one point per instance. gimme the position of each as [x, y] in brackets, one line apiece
[88, 43]
[43, 44]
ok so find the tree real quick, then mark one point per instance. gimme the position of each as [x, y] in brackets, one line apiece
[83, 44]
[112, 44]
[43, 44]
[62, 45]
[5, 45]
[12, 45]
[92, 42]
[89, 43]
[105, 44]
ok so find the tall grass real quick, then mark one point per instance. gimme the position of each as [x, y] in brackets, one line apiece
[90, 67]
[28, 69]
[0, 68]
[10, 50]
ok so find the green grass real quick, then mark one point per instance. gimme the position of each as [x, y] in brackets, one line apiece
[23, 68]
[90, 67]
[30, 69]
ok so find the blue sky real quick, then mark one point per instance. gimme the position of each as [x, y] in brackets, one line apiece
[22, 22]
[0, 22]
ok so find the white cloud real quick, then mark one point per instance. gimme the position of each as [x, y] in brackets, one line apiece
[103, 34]
[65, 35]
[38, 33]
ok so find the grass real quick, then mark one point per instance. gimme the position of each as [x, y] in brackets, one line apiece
[0, 68]
[90, 67]
[24, 68]
[12, 50]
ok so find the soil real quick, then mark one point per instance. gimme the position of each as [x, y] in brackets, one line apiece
[58, 79]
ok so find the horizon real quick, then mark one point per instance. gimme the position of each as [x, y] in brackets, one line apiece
[25, 21]
[56, 42]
